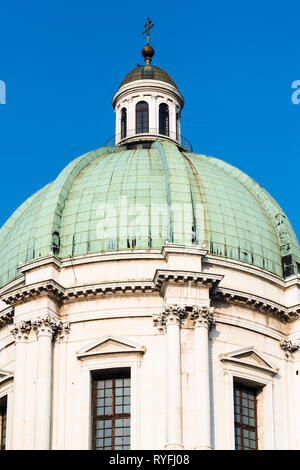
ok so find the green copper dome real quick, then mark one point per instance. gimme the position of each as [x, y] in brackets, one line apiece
[115, 199]
[147, 72]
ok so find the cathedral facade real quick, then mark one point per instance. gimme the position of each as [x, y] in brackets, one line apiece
[149, 297]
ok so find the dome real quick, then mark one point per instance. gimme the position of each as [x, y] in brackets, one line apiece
[147, 72]
[231, 214]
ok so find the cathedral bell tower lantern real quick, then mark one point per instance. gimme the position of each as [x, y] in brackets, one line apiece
[148, 103]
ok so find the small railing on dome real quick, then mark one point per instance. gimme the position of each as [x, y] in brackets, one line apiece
[151, 134]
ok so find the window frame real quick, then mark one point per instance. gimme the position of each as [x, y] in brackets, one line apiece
[259, 380]
[164, 115]
[6, 390]
[245, 387]
[143, 115]
[123, 123]
[3, 412]
[109, 374]
[101, 361]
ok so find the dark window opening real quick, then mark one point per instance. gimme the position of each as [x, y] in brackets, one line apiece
[123, 123]
[245, 417]
[142, 117]
[163, 119]
[177, 125]
[3, 422]
[111, 410]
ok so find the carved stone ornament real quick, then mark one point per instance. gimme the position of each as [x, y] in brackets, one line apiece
[202, 316]
[62, 330]
[44, 326]
[48, 326]
[21, 330]
[289, 346]
[171, 315]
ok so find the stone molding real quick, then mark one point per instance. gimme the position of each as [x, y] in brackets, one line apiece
[156, 286]
[163, 277]
[203, 316]
[7, 317]
[254, 302]
[248, 358]
[98, 290]
[50, 288]
[5, 376]
[63, 295]
[111, 345]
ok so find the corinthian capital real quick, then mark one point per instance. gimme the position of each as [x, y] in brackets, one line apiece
[171, 315]
[61, 331]
[21, 331]
[45, 326]
[289, 345]
[202, 316]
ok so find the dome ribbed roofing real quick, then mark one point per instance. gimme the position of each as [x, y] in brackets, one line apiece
[234, 216]
[148, 72]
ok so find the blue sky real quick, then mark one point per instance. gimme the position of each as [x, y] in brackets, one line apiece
[234, 62]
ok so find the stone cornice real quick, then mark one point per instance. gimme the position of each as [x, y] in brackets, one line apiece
[6, 316]
[164, 276]
[144, 86]
[182, 250]
[45, 261]
[242, 266]
[50, 288]
[161, 279]
[117, 288]
[63, 295]
[257, 303]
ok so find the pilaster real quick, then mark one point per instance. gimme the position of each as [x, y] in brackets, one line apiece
[203, 319]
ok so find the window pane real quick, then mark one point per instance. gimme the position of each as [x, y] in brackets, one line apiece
[142, 117]
[245, 417]
[3, 422]
[164, 119]
[112, 399]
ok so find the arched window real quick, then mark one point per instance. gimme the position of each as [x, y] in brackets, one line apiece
[123, 123]
[142, 117]
[164, 119]
[177, 124]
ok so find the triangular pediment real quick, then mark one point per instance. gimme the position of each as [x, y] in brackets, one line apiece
[250, 357]
[110, 345]
[5, 375]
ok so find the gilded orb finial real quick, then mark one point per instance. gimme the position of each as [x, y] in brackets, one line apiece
[148, 51]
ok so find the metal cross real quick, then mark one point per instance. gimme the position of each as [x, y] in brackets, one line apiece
[148, 27]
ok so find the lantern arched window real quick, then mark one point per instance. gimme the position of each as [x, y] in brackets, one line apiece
[123, 123]
[164, 119]
[142, 117]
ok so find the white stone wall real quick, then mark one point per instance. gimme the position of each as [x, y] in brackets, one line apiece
[111, 329]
